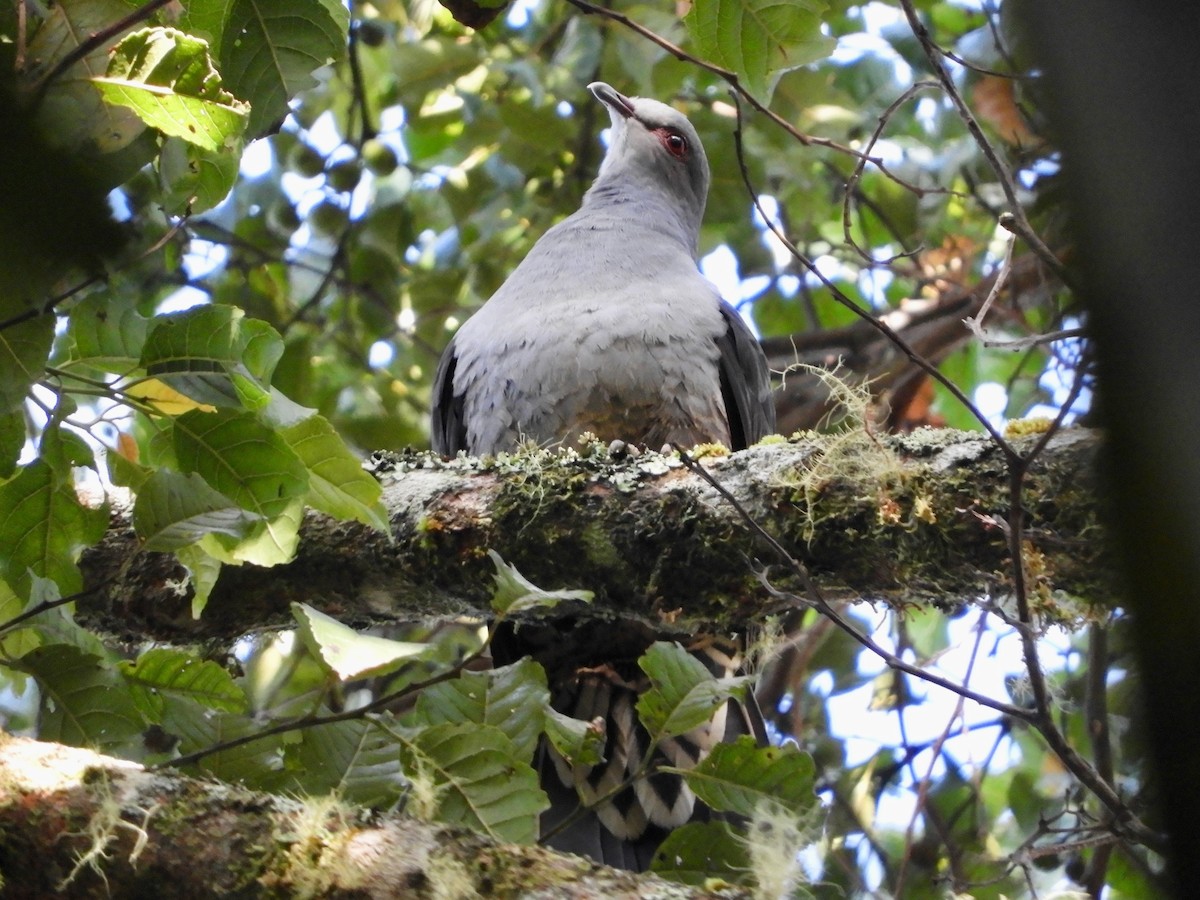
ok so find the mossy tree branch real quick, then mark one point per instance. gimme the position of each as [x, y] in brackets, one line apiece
[901, 520]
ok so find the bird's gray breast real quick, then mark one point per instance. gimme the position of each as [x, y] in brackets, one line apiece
[618, 342]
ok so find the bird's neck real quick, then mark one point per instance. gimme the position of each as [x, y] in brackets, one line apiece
[650, 206]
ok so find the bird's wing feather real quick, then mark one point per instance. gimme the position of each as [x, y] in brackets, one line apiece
[448, 428]
[745, 382]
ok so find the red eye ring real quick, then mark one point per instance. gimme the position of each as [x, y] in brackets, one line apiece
[674, 143]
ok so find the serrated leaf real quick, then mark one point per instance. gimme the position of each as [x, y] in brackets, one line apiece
[685, 694]
[85, 703]
[740, 775]
[44, 528]
[700, 851]
[241, 458]
[512, 698]
[17, 641]
[479, 782]
[514, 592]
[356, 760]
[337, 483]
[270, 48]
[258, 764]
[174, 510]
[24, 348]
[345, 652]
[162, 670]
[167, 78]
[759, 39]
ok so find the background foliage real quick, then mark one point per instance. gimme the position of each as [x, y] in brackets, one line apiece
[237, 233]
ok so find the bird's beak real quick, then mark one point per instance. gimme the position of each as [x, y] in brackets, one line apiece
[618, 104]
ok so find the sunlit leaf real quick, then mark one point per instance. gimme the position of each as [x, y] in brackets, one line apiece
[162, 670]
[685, 694]
[759, 39]
[337, 484]
[515, 592]
[345, 652]
[240, 458]
[168, 79]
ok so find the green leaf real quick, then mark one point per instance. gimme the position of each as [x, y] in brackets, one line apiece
[258, 764]
[337, 483]
[685, 694]
[513, 698]
[203, 570]
[173, 511]
[356, 760]
[24, 349]
[240, 458]
[348, 654]
[699, 852]
[107, 332]
[739, 776]
[578, 742]
[269, 543]
[199, 350]
[44, 528]
[12, 440]
[161, 670]
[473, 772]
[195, 179]
[269, 49]
[85, 703]
[759, 39]
[168, 79]
[514, 592]
[72, 110]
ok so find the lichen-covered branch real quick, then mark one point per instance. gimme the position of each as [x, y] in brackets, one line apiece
[74, 823]
[916, 519]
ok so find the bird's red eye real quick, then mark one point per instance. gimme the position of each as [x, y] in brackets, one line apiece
[675, 143]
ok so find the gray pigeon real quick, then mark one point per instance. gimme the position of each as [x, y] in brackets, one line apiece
[607, 326]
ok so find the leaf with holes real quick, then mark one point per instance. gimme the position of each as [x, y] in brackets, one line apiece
[168, 79]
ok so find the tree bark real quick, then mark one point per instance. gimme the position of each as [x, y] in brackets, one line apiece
[74, 823]
[903, 520]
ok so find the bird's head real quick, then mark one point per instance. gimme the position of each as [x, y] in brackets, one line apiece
[653, 147]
